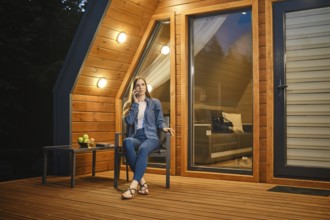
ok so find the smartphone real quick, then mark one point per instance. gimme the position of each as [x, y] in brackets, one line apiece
[135, 94]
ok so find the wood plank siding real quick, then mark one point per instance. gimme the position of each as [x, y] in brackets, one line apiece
[188, 198]
[98, 111]
[93, 109]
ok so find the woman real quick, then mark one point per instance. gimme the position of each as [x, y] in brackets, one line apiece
[143, 116]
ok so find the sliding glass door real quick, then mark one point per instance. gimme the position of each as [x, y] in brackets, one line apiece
[221, 87]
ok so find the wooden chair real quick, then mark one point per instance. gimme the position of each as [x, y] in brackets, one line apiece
[163, 152]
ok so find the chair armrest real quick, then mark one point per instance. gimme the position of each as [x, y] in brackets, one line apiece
[165, 139]
[167, 143]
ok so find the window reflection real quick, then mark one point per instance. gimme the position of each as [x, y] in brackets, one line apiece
[221, 89]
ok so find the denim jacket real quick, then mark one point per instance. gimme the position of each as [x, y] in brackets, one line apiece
[153, 119]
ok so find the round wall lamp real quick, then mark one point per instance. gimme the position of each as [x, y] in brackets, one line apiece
[149, 88]
[121, 38]
[101, 83]
[165, 50]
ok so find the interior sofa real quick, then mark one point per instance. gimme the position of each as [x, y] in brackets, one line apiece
[212, 147]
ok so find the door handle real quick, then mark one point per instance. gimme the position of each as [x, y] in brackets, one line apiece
[281, 86]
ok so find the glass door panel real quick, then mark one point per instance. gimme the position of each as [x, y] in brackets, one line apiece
[221, 86]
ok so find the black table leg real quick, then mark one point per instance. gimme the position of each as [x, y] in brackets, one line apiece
[44, 171]
[93, 162]
[73, 168]
[116, 168]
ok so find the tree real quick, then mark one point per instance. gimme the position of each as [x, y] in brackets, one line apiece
[34, 39]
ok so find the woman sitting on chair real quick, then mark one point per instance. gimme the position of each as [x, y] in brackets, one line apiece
[143, 116]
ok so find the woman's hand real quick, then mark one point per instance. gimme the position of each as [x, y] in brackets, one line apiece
[135, 95]
[169, 130]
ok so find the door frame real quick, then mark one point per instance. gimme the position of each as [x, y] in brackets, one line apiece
[185, 94]
[270, 177]
[280, 167]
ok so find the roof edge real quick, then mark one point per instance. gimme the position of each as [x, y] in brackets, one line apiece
[74, 60]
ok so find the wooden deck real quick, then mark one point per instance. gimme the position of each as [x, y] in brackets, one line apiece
[188, 198]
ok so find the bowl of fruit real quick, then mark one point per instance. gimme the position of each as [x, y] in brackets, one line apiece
[86, 142]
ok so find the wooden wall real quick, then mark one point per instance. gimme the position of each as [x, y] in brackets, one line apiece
[93, 109]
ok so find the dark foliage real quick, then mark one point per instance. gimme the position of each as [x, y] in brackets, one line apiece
[34, 39]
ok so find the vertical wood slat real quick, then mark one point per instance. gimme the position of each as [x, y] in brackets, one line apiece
[270, 96]
[173, 90]
[256, 92]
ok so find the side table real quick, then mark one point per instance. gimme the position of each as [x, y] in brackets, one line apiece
[72, 151]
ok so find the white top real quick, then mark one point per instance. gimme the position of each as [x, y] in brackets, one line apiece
[142, 108]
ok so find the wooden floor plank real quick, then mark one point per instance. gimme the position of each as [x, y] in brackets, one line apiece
[188, 198]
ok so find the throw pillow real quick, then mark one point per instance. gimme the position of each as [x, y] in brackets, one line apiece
[236, 119]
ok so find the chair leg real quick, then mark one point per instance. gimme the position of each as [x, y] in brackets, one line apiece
[168, 169]
[127, 176]
[168, 178]
[116, 168]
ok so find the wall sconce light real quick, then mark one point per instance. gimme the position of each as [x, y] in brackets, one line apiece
[165, 50]
[121, 38]
[149, 88]
[101, 83]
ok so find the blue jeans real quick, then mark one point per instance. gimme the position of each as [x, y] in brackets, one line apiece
[137, 149]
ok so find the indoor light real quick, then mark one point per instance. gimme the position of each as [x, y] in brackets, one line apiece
[101, 83]
[121, 38]
[149, 88]
[165, 50]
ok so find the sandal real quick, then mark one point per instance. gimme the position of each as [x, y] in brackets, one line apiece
[143, 189]
[129, 193]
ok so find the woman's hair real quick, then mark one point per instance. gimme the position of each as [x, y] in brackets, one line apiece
[130, 100]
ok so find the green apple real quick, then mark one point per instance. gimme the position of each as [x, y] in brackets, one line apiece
[86, 140]
[80, 139]
[85, 136]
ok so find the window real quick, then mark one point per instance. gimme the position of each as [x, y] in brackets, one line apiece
[221, 86]
[154, 66]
